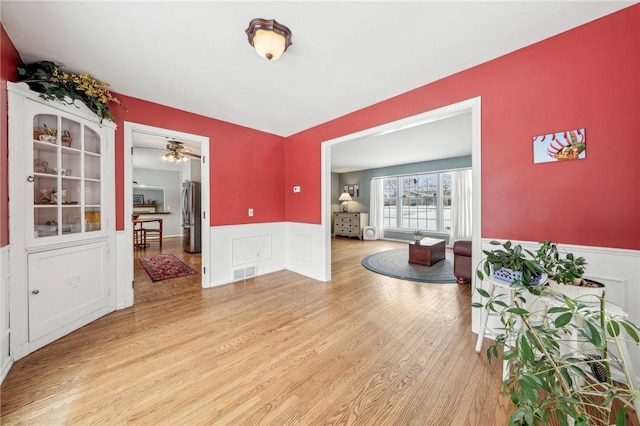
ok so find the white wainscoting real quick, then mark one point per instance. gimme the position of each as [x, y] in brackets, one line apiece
[618, 269]
[124, 295]
[5, 360]
[307, 250]
[234, 247]
[270, 247]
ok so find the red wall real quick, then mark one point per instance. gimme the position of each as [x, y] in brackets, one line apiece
[587, 77]
[9, 60]
[247, 166]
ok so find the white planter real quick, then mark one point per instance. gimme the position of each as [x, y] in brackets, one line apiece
[580, 293]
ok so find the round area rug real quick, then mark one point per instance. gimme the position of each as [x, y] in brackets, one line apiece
[395, 263]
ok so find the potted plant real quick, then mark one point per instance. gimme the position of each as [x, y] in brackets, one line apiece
[566, 273]
[567, 358]
[511, 263]
[418, 235]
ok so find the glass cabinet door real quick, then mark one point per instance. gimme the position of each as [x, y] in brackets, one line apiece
[92, 184]
[67, 170]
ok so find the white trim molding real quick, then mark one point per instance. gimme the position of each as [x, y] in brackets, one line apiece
[125, 249]
[474, 106]
[5, 358]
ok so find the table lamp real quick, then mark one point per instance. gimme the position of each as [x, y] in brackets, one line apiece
[345, 198]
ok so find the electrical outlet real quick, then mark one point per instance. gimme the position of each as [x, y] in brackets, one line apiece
[250, 212]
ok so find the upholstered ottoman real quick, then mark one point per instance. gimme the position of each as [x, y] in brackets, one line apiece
[462, 261]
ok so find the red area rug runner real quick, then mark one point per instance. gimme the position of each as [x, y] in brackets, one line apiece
[165, 266]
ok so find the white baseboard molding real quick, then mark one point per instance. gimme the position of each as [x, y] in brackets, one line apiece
[6, 361]
[260, 272]
[5, 369]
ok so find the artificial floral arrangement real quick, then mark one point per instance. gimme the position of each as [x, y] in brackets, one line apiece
[46, 78]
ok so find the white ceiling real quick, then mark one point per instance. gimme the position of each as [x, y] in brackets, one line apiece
[194, 55]
[445, 138]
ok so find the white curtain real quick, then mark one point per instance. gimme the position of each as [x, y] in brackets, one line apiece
[376, 203]
[461, 213]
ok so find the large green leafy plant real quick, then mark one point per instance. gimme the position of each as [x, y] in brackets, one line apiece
[514, 257]
[51, 82]
[562, 352]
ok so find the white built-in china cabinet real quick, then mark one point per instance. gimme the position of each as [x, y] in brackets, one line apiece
[62, 224]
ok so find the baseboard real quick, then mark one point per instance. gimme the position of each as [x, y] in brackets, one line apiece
[5, 369]
[6, 360]
[227, 281]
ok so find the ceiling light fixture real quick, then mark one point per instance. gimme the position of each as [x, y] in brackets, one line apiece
[268, 37]
[174, 156]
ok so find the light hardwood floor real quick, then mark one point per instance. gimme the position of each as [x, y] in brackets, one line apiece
[146, 290]
[274, 350]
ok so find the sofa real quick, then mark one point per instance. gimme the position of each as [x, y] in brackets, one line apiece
[462, 261]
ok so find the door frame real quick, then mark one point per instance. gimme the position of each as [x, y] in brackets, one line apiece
[129, 129]
[472, 105]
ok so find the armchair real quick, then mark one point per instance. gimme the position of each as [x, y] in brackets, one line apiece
[462, 261]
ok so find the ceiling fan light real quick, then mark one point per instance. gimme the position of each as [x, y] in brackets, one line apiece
[268, 37]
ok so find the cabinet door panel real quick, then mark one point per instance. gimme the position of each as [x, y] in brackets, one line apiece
[65, 285]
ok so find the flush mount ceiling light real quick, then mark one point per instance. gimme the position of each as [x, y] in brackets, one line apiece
[268, 37]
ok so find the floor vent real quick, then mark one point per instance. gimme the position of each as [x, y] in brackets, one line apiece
[244, 273]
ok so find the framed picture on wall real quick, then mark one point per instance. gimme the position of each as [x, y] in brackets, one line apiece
[560, 146]
[138, 199]
[353, 190]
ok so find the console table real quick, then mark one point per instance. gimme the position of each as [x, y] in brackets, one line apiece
[427, 252]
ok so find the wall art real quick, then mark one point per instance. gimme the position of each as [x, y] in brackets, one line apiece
[353, 190]
[560, 146]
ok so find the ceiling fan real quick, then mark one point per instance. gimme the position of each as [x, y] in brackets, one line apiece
[176, 152]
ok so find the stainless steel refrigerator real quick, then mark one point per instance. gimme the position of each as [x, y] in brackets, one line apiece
[191, 215]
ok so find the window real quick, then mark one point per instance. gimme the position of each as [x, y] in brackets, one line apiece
[420, 201]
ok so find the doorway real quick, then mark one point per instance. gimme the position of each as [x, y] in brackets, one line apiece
[172, 243]
[472, 106]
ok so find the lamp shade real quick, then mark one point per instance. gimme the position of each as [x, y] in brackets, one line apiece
[345, 197]
[268, 37]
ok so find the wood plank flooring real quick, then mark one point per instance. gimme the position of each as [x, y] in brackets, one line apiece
[146, 290]
[279, 349]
